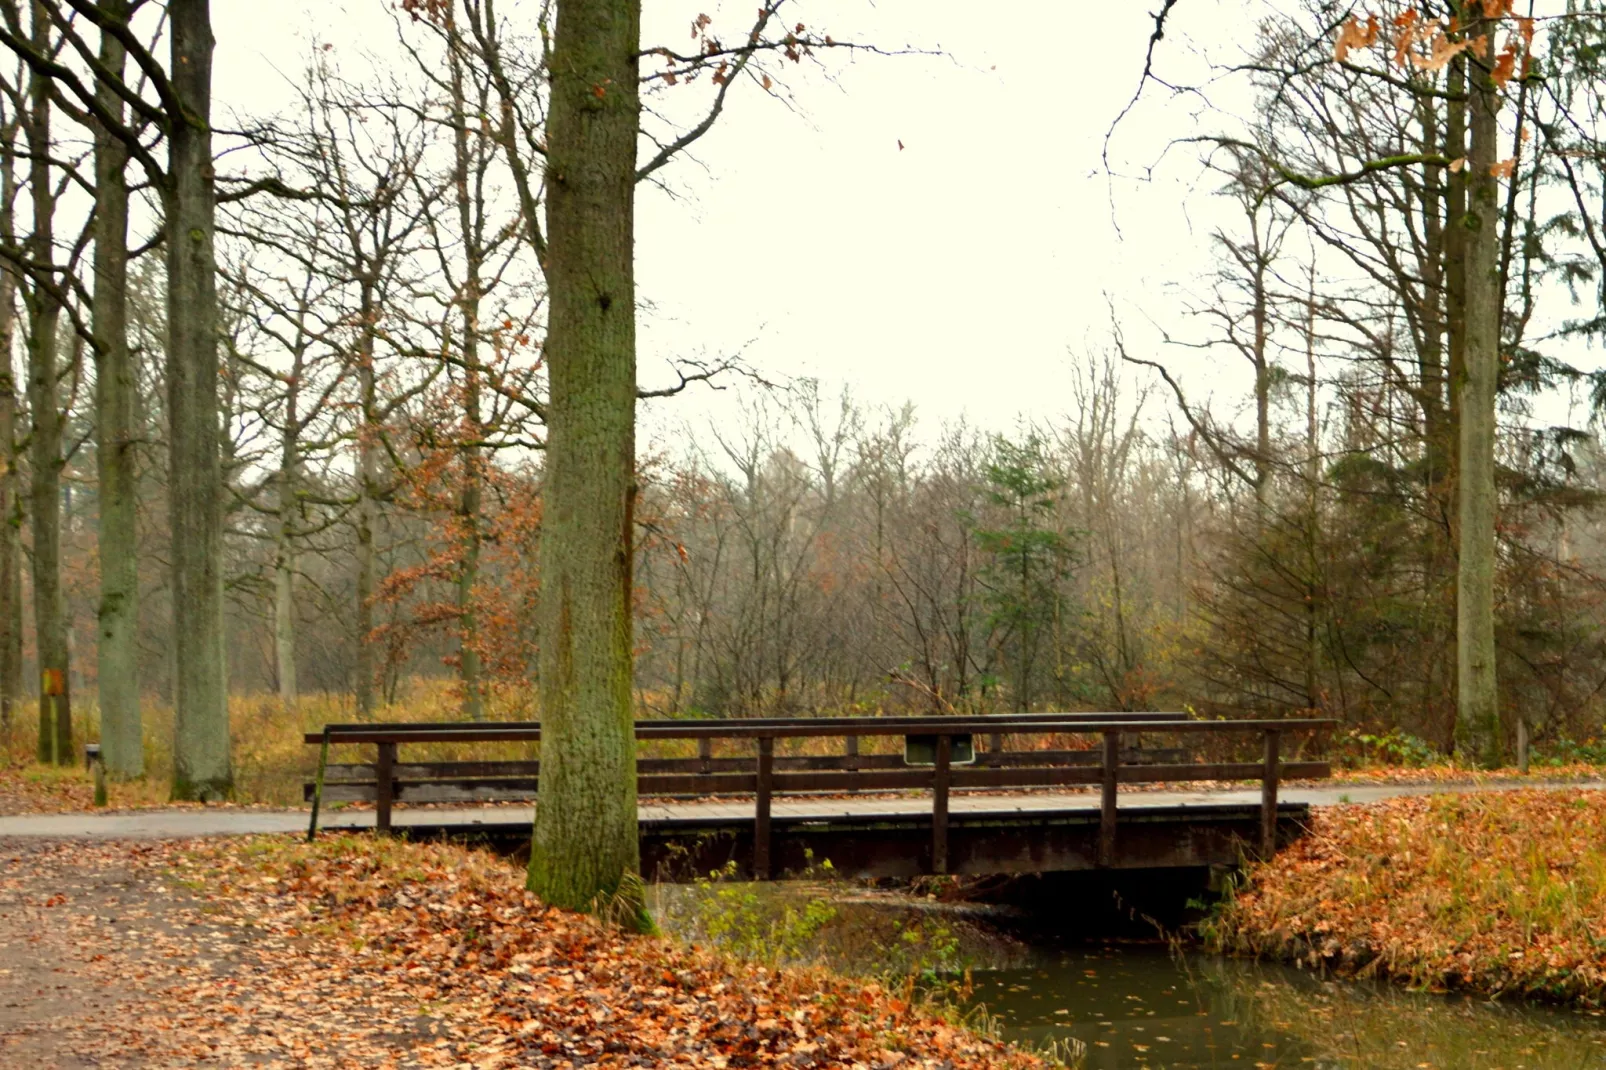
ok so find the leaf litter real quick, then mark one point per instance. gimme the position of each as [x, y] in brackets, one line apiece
[360, 952]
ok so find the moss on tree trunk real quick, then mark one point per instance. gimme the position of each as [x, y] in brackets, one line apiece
[585, 842]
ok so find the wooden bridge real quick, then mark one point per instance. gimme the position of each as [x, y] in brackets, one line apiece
[876, 796]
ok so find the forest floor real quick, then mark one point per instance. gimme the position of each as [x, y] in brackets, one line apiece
[356, 952]
[1502, 893]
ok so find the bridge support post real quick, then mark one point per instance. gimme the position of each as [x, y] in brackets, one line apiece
[1268, 797]
[384, 786]
[1109, 778]
[761, 808]
[940, 776]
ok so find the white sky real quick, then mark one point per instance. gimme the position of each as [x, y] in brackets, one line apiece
[959, 272]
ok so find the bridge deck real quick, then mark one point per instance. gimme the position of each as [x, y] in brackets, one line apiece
[987, 834]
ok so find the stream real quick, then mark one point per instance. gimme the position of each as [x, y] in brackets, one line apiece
[1138, 1006]
[1134, 1005]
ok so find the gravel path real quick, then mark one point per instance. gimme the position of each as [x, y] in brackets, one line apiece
[189, 823]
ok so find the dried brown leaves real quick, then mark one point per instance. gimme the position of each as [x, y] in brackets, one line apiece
[1502, 892]
[356, 952]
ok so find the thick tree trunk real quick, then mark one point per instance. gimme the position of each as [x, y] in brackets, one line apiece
[117, 638]
[1478, 708]
[44, 319]
[585, 842]
[201, 761]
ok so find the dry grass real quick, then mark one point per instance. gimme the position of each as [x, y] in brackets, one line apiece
[1499, 893]
[270, 759]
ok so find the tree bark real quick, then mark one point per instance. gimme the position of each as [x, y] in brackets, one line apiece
[44, 319]
[584, 848]
[10, 498]
[468, 650]
[201, 761]
[1478, 709]
[284, 550]
[115, 384]
[367, 504]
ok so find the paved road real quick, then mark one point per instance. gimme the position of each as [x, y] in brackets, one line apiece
[183, 824]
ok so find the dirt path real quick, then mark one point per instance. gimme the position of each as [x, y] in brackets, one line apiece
[108, 961]
[95, 945]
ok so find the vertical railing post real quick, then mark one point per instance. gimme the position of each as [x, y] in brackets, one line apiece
[995, 747]
[385, 785]
[1110, 771]
[317, 787]
[850, 750]
[705, 753]
[761, 808]
[1268, 797]
[940, 775]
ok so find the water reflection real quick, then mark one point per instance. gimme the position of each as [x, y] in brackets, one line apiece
[1137, 1007]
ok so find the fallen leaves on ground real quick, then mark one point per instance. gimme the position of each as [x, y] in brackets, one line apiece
[362, 952]
[1502, 893]
[1449, 773]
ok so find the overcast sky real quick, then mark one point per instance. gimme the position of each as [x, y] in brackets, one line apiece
[927, 227]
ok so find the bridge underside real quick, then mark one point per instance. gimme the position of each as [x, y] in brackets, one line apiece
[900, 845]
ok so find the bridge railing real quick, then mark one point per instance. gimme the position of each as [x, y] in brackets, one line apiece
[764, 774]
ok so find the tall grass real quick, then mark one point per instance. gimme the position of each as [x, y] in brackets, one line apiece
[270, 758]
[1501, 892]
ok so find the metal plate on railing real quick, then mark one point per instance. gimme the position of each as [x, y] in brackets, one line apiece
[922, 750]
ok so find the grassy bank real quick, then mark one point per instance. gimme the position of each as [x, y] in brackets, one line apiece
[1502, 894]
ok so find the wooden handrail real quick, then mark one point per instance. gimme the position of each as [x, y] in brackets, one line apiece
[813, 728]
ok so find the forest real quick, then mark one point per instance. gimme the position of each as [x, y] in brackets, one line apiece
[314, 459]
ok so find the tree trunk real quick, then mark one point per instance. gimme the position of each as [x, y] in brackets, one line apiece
[468, 650]
[1478, 709]
[201, 763]
[284, 551]
[44, 318]
[115, 384]
[585, 842]
[1455, 330]
[367, 511]
[10, 499]
[1313, 508]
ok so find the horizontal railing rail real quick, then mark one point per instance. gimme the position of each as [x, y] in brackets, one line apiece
[765, 774]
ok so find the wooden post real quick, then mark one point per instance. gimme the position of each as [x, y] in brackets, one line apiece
[1109, 778]
[851, 750]
[385, 777]
[317, 787]
[995, 746]
[939, 804]
[1268, 797]
[705, 752]
[761, 808]
[1522, 745]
